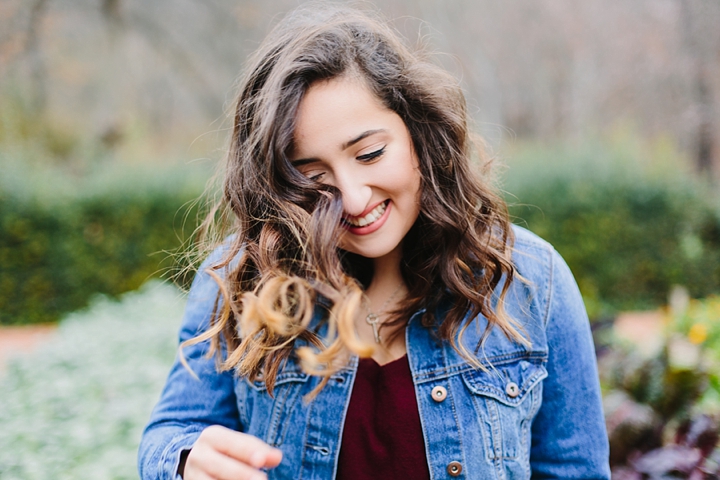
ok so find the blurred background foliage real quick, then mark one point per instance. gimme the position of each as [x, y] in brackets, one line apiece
[628, 232]
[63, 240]
[662, 405]
[606, 116]
[602, 116]
[79, 413]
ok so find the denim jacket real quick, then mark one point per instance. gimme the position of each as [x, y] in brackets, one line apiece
[532, 412]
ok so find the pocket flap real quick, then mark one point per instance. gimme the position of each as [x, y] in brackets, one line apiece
[289, 374]
[508, 383]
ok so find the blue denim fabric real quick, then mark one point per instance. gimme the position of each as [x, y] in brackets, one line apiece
[534, 412]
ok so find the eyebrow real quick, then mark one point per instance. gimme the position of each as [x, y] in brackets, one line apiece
[304, 161]
[360, 137]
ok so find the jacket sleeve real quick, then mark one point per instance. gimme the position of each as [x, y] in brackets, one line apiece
[569, 439]
[188, 404]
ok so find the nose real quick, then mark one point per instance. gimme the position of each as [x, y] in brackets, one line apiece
[356, 193]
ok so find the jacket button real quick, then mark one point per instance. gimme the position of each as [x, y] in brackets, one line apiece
[439, 393]
[454, 469]
[512, 389]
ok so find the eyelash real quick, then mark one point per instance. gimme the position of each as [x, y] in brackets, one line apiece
[368, 157]
[371, 156]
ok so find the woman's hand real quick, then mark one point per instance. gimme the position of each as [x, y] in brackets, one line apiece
[223, 454]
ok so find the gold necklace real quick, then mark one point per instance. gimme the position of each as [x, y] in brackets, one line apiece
[373, 319]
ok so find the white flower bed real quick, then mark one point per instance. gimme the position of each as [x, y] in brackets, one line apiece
[75, 408]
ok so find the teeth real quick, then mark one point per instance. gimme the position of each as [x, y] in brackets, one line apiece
[369, 218]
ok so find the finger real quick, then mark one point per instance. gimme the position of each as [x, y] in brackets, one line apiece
[226, 468]
[273, 458]
[196, 475]
[243, 447]
[209, 464]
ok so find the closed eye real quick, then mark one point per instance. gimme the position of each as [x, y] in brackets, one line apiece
[368, 157]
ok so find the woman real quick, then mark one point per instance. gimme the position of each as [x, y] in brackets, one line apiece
[373, 313]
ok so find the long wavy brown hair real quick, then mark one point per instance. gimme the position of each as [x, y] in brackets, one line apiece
[287, 288]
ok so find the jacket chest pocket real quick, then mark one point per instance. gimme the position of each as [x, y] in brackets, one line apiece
[266, 417]
[506, 399]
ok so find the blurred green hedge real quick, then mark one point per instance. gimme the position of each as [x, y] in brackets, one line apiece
[61, 244]
[628, 235]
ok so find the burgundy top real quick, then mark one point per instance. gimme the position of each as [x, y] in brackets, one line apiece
[383, 437]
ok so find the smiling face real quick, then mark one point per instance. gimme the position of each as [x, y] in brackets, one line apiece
[345, 137]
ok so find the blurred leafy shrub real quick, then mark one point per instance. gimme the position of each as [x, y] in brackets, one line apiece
[692, 455]
[75, 408]
[663, 410]
[61, 241]
[696, 325]
[627, 234]
[699, 322]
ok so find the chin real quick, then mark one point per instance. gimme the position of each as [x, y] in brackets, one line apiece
[371, 252]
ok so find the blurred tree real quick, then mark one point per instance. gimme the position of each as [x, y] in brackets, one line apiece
[535, 69]
[697, 30]
[35, 56]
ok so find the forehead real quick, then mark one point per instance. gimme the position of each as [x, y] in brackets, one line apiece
[336, 110]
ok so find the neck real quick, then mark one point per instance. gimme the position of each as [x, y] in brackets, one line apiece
[386, 273]
[385, 291]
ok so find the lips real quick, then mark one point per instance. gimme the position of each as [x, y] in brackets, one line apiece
[369, 221]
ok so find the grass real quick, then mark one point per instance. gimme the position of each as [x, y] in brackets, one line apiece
[76, 407]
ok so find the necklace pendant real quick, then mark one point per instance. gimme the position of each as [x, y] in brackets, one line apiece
[373, 320]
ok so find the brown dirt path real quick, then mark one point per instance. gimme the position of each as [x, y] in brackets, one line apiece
[22, 339]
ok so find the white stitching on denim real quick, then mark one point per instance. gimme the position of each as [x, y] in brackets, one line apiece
[551, 271]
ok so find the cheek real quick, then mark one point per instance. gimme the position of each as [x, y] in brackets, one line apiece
[414, 181]
[417, 186]
[406, 174]
[408, 193]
